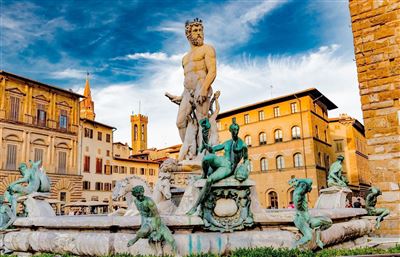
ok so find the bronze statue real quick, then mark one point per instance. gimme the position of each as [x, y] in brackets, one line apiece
[336, 177]
[7, 217]
[302, 219]
[151, 227]
[36, 181]
[216, 168]
[370, 203]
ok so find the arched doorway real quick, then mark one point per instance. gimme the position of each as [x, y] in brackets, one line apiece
[272, 200]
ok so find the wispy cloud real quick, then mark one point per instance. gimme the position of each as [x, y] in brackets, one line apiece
[20, 25]
[157, 56]
[225, 25]
[68, 74]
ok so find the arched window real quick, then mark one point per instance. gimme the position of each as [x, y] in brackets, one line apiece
[298, 160]
[295, 132]
[280, 162]
[264, 164]
[247, 139]
[273, 200]
[263, 138]
[278, 135]
[142, 133]
[291, 195]
[135, 132]
[250, 165]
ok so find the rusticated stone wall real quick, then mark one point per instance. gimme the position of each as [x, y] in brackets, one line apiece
[376, 31]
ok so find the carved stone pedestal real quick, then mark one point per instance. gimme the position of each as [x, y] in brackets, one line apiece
[227, 208]
[332, 197]
[36, 205]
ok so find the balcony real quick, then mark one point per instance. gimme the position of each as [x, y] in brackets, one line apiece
[33, 121]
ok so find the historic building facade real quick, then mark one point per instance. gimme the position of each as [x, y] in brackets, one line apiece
[103, 162]
[376, 32]
[39, 122]
[288, 137]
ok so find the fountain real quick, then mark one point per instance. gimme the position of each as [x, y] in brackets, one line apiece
[219, 210]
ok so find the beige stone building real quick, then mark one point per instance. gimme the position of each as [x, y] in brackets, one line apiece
[40, 122]
[376, 31]
[348, 139]
[288, 137]
[124, 164]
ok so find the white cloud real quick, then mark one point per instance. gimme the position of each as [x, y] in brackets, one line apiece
[243, 82]
[68, 74]
[157, 56]
[21, 26]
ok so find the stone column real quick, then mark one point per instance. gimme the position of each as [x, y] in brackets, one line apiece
[376, 31]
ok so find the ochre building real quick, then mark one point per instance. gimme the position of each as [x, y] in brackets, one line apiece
[288, 137]
[39, 122]
[376, 31]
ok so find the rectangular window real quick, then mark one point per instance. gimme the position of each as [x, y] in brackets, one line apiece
[108, 138]
[41, 115]
[293, 107]
[122, 170]
[99, 136]
[99, 186]
[107, 169]
[246, 119]
[11, 163]
[115, 169]
[142, 171]
[99, 165]
[132, 170]
[86, 164]
[151, 172]
[339, 145]
[63, 196]
[107, 187]
[88, 132]
[38, 155]
[63, 122]
[277, 113]
[261, 115]
[14, 108]
[62, 162]
[108, 153]
[86, 185]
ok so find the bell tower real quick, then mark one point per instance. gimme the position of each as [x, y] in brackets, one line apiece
[87, 104]
[139, 132]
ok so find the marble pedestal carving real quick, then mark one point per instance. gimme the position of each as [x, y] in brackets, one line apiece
[227, 208]
[35, 205]
[332, 197]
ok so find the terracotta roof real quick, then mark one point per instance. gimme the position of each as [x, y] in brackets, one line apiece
[5, 73]
[135, 160]
[97, 123]
[312, 92]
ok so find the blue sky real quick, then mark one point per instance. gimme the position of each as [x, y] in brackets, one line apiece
[133, 50]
